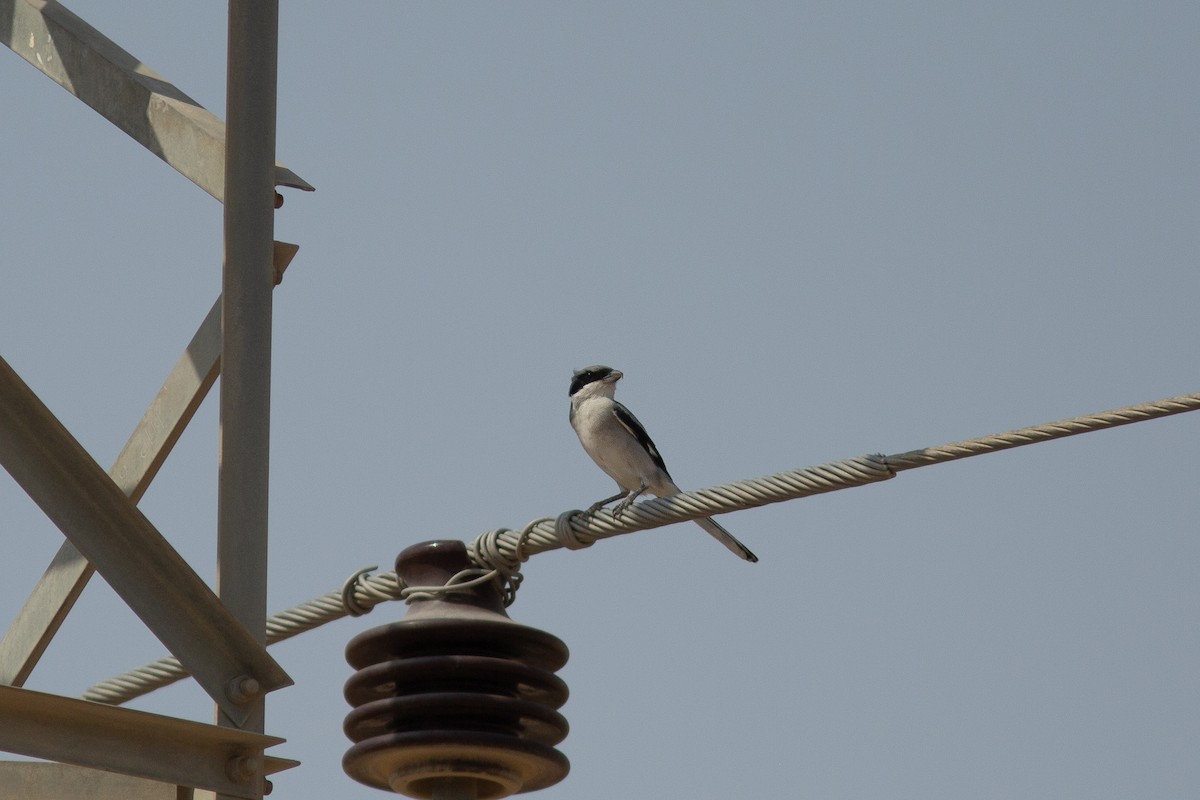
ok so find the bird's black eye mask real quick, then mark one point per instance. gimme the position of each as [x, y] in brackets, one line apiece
[587, 375]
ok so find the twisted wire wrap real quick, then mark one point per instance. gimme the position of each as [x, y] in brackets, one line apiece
[353, 608]
[462, 581]
[500, 553]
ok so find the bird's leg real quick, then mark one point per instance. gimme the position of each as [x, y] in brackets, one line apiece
[627, 501]
[594, 507]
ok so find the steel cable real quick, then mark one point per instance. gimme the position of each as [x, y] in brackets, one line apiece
[504, 550]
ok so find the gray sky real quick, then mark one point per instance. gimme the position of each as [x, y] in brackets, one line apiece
[805, 232]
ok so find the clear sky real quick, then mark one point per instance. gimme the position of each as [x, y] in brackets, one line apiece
[804, 231]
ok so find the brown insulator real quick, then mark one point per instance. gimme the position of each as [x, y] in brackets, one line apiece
[455, 694]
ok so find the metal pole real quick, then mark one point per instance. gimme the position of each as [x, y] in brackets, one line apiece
[246, 320]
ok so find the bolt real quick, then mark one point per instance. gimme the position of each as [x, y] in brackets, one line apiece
[241, 769]
[243, 689]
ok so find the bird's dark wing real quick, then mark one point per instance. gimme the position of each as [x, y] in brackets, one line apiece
[627, 419]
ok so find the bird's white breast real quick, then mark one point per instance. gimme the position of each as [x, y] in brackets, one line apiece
[609, 444]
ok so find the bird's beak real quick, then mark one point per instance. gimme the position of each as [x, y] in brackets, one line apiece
[614, 376]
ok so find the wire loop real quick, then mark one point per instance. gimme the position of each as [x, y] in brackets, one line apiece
[489, 552]
[567, 535]
[349, 601]
[462, 581]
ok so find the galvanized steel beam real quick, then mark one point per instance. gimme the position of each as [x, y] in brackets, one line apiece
[145, 451]
[140, 565]
[245, 418]
[136, 743]
[134, 469]
[246, 344]
[124, 91]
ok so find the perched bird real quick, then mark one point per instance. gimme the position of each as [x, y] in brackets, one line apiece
[620, 446]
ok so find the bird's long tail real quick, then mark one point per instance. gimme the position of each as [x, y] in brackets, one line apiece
[668, 488]
[726, 538]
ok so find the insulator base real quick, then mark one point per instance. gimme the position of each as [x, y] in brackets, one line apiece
[414, 764]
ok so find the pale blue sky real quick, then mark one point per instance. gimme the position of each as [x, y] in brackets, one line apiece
[805, 232]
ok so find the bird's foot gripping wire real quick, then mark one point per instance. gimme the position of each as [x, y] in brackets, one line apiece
[592, 509]
[627, 501]
[599, 504]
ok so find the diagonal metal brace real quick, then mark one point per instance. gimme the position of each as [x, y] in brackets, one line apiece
[135, 743]
[140, 565]
[124, 91]
[148, 447]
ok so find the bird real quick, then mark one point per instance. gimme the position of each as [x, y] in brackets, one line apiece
[619, 444]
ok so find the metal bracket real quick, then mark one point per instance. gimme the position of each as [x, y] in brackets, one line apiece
[135, 743]
[124, 91]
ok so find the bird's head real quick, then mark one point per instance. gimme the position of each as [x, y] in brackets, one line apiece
[600, 379]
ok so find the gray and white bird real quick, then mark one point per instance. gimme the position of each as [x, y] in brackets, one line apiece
[620, 446]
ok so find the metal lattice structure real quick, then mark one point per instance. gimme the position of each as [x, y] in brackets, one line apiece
[219, 635]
